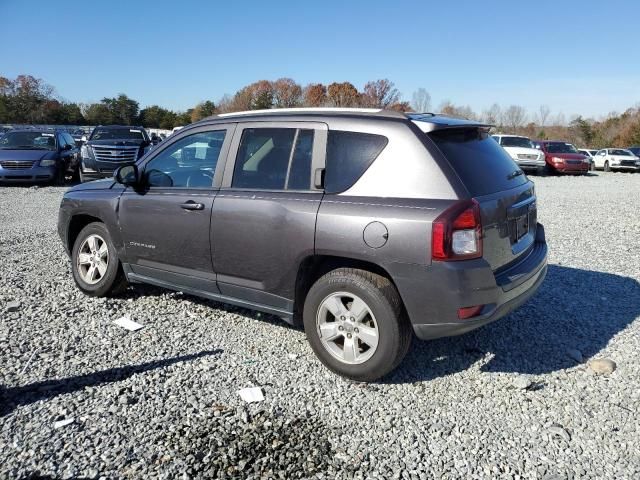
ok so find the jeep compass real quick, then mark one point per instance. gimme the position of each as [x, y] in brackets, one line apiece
[366, 227]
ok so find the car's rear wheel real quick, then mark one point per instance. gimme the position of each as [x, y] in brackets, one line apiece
[606, 166]
[94, 261]
[355, 323]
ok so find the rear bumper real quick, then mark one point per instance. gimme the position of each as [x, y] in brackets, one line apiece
[432, 300]
[27, 175]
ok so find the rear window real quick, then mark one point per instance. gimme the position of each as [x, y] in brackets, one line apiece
[349, 154]
[479, 161]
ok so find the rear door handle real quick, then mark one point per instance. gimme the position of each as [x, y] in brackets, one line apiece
[191, 205]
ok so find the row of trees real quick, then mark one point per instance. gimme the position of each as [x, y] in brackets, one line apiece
[26, 99]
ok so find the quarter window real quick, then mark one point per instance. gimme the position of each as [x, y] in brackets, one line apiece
[188, 163]
[349, 154]
[274, 159]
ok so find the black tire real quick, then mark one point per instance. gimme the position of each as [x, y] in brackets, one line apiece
[382, 299]
[606, 166]
[113, 281]
[549, 170]
[540, 171]
[60, 179]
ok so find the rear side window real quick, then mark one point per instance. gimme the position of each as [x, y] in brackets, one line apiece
[479, 161]
[274, 159]
[349, 154]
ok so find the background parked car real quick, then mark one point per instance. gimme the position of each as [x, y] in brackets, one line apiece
[522, 151]
[562, 157]
[35, 155]
[110, 147]
[635, 150]
[589, 153]
[617, 159]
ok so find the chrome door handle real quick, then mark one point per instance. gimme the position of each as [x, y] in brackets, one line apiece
[191, 205]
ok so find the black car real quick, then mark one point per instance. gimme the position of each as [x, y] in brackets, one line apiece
[37, 155]
[110, 147]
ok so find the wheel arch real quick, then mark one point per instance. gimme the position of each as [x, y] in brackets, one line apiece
[76, 224]
[313, 267]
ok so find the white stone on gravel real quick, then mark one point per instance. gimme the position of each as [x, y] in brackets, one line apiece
[602, 366]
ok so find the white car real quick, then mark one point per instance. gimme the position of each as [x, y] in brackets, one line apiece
[522, 151]
[617, 159]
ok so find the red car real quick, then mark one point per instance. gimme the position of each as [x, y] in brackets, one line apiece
[562, 157]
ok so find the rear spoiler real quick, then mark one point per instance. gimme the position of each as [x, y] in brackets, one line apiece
[430, 122]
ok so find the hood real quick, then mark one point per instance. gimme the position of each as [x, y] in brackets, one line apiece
[116, 143]
[26, 154]
[522, 151]
[102, 184]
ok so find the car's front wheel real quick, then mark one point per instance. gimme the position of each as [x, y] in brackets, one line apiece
[606, 166]
[356, 325]
[96, 268]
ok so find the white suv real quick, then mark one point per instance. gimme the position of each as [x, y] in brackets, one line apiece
[522, 151]
[617, 159]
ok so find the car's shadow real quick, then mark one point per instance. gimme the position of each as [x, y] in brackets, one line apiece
[573, 310]
[12, 397]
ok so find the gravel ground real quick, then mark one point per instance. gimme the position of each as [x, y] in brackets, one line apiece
[512, 400]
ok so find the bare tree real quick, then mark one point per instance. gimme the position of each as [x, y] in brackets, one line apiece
[421, 100]
[380, 94]
[493, 115]
[543, 115]
[514, 117]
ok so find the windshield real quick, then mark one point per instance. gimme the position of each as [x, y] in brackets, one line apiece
[117, 134]
[28, 141]
[560, 147]
[621, 153]
[522, 142]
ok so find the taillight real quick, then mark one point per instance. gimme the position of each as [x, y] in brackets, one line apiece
[457, 233]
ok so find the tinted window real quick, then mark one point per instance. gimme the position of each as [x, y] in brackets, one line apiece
[265, 159]
[28, 141]
[560, 147]
[117, 133]
[349, 154]
[621, 153]
[190, 162]
[480, 162]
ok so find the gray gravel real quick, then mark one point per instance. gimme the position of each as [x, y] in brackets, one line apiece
[513, 400]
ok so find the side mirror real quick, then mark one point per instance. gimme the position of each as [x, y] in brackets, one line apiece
[127, 175]
[67, 146]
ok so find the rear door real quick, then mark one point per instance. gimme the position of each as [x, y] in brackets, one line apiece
[506, 196]
[263, 221]
[166, 224]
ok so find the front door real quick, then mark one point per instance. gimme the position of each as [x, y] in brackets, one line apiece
[165, 224]
[265, 213]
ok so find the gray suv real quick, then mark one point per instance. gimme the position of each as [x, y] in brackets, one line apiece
[364, 226]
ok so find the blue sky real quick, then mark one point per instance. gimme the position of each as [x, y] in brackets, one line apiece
[578, 57]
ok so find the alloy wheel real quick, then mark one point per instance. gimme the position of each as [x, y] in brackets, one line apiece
[347, 328]
[93, 259]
